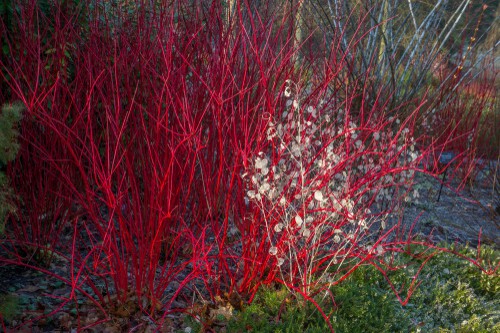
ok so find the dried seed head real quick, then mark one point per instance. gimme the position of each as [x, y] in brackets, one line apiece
[336, 239]
[264, 187]
[261, 163]
[298, 220]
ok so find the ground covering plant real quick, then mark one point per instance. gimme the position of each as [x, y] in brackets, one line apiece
[175, 151]
[455, 297]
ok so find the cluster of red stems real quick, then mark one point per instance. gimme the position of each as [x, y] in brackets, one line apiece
[183, 151]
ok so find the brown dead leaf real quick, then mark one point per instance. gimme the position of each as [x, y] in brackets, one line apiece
[225, 311]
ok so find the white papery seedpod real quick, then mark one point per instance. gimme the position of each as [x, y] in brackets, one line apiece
[261, 163]
[272, 194]
[336, 239]
[280, 261]
[264, 187]
[288, 91]
[251, 194]
[282, 201]
[273, 250]
[296, 149]
[280, 130]
[298, 220]
[271, 133]
[318, 195]
[278, 227]
[306, 233]
[264, 171]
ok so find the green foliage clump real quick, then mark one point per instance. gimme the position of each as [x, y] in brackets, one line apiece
[455, 297]
[365, 304]
[9, 118]
[276, 311]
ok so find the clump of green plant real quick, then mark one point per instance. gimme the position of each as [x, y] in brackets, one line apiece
[9, 118]
[278, 310]
[456, 297]
[366, 304]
